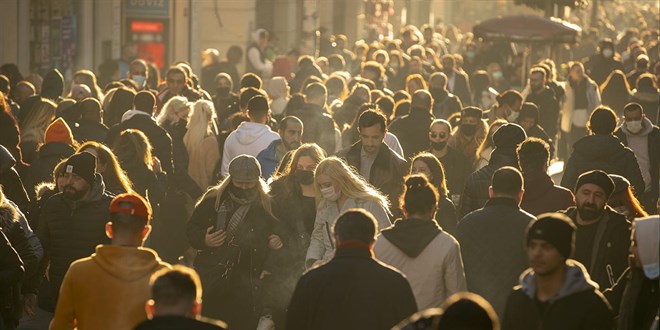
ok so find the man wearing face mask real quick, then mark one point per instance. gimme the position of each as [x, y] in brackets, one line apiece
[290, 132]
[139, 73]
[640, 135]
[601, 64]
[444, 103]
[225, 101]
[457, 82]
[507, 107]
[455, 164]
[603, 235]
[471, 132]
[235, 232]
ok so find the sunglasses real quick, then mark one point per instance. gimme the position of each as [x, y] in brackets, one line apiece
[439, 135]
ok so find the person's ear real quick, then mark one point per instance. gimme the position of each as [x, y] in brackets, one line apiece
[520, 195]
[108, 229]
[145, 232]
[150, 308]
[490, 192]
[197, 308]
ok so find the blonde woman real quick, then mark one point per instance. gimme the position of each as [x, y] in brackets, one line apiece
[134, 153]
[33, 127]
[339, 188]
[87, 78]
[115, 179]
[201, 144]
[173, 117]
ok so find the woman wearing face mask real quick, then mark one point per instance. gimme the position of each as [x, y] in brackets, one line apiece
[507, 107]
[174, 119]
[487, 145]
[294, 204]
[623, 199]
[425, 163]
[469, 134]
[339, 188]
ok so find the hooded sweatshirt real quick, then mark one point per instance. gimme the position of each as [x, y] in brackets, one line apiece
[116, 296]
[639, 143]
[429, 257]
[250, 139]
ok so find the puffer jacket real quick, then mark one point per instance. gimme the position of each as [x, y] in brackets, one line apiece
[322, 246]
[24, 241]
[11, 273]
[69, 230]
[602, 152]
[579, 305]
[11, 182]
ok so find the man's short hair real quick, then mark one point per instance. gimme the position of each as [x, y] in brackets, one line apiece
[533, 155]
[336, 62]
[250, 80]
[284, 123]
[356, 225]
[602, 120]
[247, 94]
[507, 181]
[630, 107]
[315, 90]
[176, 70]
[370, 118]
[538, 70]
[176, 286]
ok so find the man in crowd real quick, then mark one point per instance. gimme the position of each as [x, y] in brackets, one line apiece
[407, 128]
[490, 239]
[76, 215]
[251, 137]
[456, 166]
[639, 134]
[375, 161]
[541, 193]
[176, 302]
[603, 235]
[116, 296]
[290, 132]
[545, 99]
[555, 293]
[380, 296]
[319, 126]
[457, 81]
[444, 103]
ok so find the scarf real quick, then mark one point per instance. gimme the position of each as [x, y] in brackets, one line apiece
[239, 207]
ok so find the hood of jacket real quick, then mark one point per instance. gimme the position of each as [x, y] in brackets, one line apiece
[412, 235]
[126, 263]
[599, 147]
[8, 214]
[500, 157]
[7, 161]
[248, 132]
[577, 280]
[53, 85]
[134, 112]
[57, 149]
[537, 184]
[647, 128]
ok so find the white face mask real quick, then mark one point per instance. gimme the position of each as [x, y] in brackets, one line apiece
[497, 75]
[634, 126]
[512, 116]
[139, 80]
[608, 53]
[330, 194]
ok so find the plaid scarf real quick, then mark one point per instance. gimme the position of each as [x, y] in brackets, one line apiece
[239, 206]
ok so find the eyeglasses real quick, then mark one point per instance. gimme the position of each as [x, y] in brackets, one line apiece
[441, 135]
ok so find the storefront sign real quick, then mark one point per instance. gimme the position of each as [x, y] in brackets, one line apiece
[147, 8]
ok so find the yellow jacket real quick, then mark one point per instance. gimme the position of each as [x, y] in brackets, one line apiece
[107, 290]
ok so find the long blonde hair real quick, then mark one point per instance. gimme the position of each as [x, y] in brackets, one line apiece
[200, 126]
[89, 79]
[173, 106]
[133, 145]
[350, 183]
[113, 175]
[33, 127]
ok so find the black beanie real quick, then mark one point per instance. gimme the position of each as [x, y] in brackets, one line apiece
[82, 164]
[556, 229]
[145, 101]
[509, 136]
[598, 178]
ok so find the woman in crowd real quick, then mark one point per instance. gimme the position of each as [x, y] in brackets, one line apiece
[88, 78]
[33, 127]
[115, 179]
[623, 199]
[418, 247]
[174, 119]
[615, 92]
[339, 188]
[487, 145]
[427, 164]
[202, 144]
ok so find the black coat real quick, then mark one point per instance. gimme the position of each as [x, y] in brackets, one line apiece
[461, 87]
[446, 215]
[11, 273]
[611, 258]
[602, 152]
[352, 291]
[578, 306]
[175, 322]
[236, 300]
[9, 135]
[445, 104]
[548, 106]
[635, 298]
[457, 168]
[11, 226]
[89, 130]
[492, 241]
[11, 182]
[412, 130]
[158, 137]
[386, 173]
[41, 169]
[475, 194]
[70, 231]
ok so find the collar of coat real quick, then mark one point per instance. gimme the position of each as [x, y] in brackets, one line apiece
[502, 201]
[354, 248]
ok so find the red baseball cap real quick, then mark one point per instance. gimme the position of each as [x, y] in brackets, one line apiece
[131, 204]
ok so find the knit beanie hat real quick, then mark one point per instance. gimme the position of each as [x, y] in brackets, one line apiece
[58, 131]
[598, 178]
[509, 136]
[556, 229]
[82, 164]
[245, 168]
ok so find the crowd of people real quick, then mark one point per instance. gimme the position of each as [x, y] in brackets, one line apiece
[396, 183]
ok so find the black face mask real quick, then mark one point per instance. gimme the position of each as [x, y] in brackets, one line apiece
[222, 91]
[468, 129]
[438, 145]
[304, 177]
[247, 194]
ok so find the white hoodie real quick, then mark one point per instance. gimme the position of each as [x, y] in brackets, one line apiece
[249, 139]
